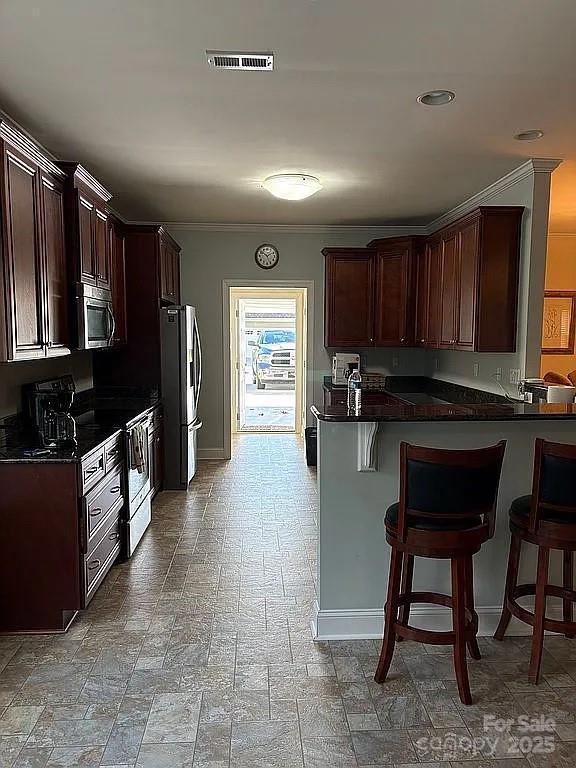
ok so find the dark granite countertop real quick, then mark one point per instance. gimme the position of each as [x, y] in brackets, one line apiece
[425, 399]
[512, 411]
[99, 417]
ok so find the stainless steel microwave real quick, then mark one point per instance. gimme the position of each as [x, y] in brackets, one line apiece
[96, 325]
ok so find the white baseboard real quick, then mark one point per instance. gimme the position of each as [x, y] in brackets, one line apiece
[211, 453]
[366, 623]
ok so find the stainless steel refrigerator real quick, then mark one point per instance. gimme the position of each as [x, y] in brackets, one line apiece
[181, 378]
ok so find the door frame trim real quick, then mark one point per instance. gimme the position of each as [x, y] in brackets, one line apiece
[227, 285]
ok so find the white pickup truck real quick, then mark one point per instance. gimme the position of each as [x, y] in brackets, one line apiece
[274, 357]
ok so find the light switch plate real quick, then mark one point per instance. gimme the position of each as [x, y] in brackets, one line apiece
[498, 374]
[514, 375]
[476, 369]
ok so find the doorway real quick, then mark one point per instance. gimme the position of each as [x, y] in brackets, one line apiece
[268, 359]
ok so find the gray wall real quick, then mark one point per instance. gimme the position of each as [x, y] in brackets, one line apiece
[14, 375]
[208, 258]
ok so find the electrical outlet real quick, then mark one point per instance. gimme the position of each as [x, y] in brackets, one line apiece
[395, 362]
[498, 374]
[476, 370]
[514, 375]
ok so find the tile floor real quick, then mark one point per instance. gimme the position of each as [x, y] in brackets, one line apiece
[198, 654]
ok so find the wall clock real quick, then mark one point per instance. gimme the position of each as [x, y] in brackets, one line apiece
[266, 256]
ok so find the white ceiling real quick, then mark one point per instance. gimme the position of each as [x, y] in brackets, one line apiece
[122, 85]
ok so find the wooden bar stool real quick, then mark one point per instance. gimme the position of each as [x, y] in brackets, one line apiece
[446, 510]
[547, 518]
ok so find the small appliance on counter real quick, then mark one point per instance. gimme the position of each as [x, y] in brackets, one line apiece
[47, 407]
[540, 391]
[343, 363]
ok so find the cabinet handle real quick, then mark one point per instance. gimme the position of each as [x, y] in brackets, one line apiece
[422, 341]
[92, 470]
[95, 512]
[114, 536]
[112, 452]
[402, 340]
[116, 489]
[94, 564]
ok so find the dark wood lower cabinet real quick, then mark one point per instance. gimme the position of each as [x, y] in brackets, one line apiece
[60, 533]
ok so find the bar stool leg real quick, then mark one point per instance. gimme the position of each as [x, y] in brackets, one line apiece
[458, 568]
[568, 583]
[407, 575]
[469, 579]
[539, 615]
[511, 577]
[390, 616]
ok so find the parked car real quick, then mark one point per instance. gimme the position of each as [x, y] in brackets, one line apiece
[274, 357]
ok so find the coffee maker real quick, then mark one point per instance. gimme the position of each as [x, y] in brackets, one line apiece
[47, 407]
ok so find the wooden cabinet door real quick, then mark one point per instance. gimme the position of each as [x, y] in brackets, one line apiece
[24, 315]
[434, 257]
[449, 310]
[86, 240]
[392, 299]
[422, 293]
[118, 283]
[349, 299]
[165, 272]
[467, 281]
[101, 249]
[176, 276]
[57, 335]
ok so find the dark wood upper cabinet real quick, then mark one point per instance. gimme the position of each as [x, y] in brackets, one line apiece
[479, 280]
[117, 247]
[456, 289]
[57, 297]
[169, 269]
[33, 317]
[394, 297]
[349, 297]
[102, 255]
[86, 220]
[449, 294]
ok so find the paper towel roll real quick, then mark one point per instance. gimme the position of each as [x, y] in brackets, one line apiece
[558, 393]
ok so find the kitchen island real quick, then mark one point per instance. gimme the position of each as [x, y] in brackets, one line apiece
[358, 478]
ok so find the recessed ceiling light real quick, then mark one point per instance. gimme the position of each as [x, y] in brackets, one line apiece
[529, 135]
[292, 186]
[436, 98]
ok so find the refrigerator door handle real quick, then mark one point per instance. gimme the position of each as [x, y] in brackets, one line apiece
[198, 363]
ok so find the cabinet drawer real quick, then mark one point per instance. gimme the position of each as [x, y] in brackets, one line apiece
[100, 501]
[92, 469]
[98, 562]
[113, 452]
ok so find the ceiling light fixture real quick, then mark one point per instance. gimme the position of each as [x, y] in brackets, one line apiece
[292, 186]
[436, 98]
[529, 135]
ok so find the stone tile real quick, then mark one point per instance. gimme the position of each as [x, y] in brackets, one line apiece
[33, 757]
[252, 677]
[173, 718]
[123, 745]
[166, 756]
[19, 721]
[78, 733]
[266, 745]
[383, 747]
[212, 745]
[238, 706]
[75, 757]
[367, 722]
[322, 717]
[328, 752]
[401, 712]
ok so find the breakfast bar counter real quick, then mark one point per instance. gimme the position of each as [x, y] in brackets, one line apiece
[358, 479]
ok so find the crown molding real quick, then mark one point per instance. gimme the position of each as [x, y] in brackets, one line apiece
[527, 169]
[310, 229]
[18, 139]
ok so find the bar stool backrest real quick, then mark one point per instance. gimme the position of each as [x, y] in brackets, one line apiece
[448, 484]
[554, 482]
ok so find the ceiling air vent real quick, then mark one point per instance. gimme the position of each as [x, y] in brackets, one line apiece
[236, 60]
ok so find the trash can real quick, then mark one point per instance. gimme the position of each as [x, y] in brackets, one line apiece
[311, 437]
